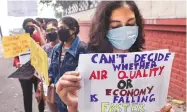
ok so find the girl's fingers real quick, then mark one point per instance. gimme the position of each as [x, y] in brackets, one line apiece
[68, 97]
[65, 84]
[72, 73]
[71, 78]
[166, 108]
[70, 89]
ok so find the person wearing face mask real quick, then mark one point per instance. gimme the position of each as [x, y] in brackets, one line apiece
[65, 55]
[52, 38]
[117, 27]
[52, 25]
[31, 27]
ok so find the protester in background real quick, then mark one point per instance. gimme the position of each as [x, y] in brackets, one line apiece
[42, 22]
[112, 21]
[30, 26]
[52, 37]
[46, 20]
[50, 19]
[66, 54]
[51, 23]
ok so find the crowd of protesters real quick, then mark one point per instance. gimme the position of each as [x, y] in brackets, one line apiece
[61, 42]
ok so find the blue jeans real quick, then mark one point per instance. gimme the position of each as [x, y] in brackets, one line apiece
[61, 106]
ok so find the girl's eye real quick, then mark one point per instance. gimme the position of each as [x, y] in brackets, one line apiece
[128, 24]
[113, 27]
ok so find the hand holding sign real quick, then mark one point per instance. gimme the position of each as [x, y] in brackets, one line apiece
[67, 87]
[124, 82]
[167, 108]
[39, 61]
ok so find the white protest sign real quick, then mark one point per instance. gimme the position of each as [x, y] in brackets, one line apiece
[131, 82]
[24, 57]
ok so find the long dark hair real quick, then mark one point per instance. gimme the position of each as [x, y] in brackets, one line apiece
[100, 25]
[71, 23]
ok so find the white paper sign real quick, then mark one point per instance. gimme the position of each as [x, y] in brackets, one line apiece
[45, 88]
[131, 82]
[24, 57]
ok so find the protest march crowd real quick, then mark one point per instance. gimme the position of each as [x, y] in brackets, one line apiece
[116, 27]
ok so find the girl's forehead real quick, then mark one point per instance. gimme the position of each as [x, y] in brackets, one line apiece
[50, 27]
[61, 24]
[122, 13]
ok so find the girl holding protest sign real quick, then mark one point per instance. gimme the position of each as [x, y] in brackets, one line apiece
[117, 27]
[30, 26]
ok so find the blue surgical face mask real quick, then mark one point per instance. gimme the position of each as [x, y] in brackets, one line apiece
[124, 37]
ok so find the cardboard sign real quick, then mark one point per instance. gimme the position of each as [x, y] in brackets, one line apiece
[39, 60]
[15, 44]
[130, 82]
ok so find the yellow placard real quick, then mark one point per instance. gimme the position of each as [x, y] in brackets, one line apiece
[45, 65]
[39, 60]
[15, 44]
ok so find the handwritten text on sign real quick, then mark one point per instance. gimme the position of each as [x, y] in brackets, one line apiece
[15, 44]
[39, 60]
[132, 82]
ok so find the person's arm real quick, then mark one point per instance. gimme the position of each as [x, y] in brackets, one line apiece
[16, 62]
[72, 110]
[42, 38]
